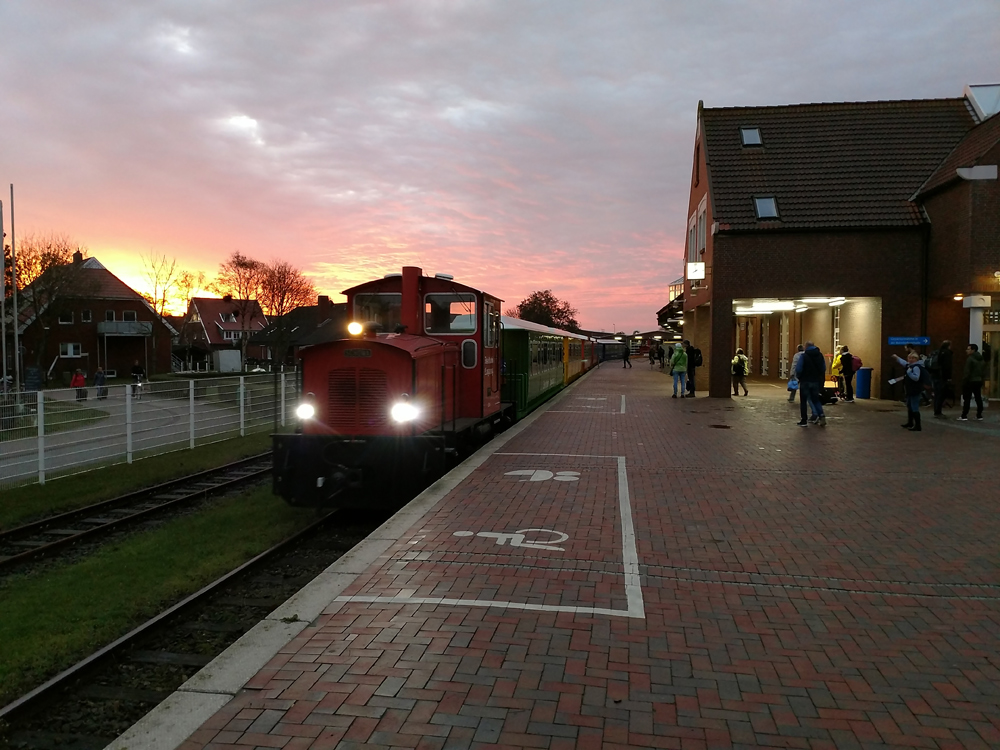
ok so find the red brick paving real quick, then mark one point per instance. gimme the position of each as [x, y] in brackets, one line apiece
[804, 588]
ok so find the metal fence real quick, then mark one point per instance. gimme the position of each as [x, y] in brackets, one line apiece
[64, 431]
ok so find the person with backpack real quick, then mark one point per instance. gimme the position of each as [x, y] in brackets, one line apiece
[972, 382]
[847, 371]
[939, 364]
[740, 365]
[678, 365]
[694, 362]
[916, 380]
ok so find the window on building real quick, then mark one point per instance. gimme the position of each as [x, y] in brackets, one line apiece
[751, 137]
[766, 207]
[109, 315]
[70, 350]
[129, 316]
[66, 318]
[697, 163]
[702, 217]
[85, 316]
[693, 239]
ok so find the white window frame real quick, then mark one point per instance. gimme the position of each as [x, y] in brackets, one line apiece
[72, 318]
[66, 350]
[127, 313]
[86, 316]
[693, 238]
[109, 316]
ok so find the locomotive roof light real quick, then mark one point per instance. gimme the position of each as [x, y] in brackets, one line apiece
[404, 410]
[355, 328]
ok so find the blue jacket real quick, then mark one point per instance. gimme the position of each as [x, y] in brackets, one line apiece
[811, 366]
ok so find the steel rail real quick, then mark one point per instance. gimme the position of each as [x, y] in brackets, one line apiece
[149, 494]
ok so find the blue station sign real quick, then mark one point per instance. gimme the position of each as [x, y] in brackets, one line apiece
[915, 340]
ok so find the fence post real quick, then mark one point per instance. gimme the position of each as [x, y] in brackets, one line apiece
[128, 422]
[40, 412]
[191, 413]
[282, 399]
[243, 428]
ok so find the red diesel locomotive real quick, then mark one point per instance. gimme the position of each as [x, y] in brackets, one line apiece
[417, 381]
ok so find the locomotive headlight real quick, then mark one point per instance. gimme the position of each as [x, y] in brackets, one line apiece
[305, 410]
[403, 410]
[355, 328]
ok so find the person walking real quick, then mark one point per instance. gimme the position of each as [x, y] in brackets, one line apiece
[811, 373]
[915, 380]
[740, 364]
[626, 357]
[694, 362]
[972, 382]
[940, 364]
[80, 383]
[660, 354]
[793, 381]
[847, 374]
[678, 365]
[101, 384]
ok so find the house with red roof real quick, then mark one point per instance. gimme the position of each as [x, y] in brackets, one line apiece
[860, 224]
[214, 331]
[97, 321]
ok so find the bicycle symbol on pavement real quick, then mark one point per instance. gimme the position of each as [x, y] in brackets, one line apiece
[519, 538]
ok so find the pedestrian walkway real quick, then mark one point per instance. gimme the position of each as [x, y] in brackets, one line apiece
[627, 570]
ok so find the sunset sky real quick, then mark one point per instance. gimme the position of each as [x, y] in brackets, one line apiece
[515, 145]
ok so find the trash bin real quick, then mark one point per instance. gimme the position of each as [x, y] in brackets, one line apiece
[863, 384]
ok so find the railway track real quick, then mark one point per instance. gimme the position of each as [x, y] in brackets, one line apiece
[89, 705]
[53, 535]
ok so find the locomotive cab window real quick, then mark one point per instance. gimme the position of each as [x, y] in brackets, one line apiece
[385, 310]
[450, 313]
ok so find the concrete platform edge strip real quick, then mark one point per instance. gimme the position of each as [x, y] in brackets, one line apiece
[208, 691]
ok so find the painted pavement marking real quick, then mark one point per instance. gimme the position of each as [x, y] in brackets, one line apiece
[630, 555]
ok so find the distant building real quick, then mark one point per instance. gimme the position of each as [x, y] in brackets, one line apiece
[99, 321]
[214, 325]
[848, 223]
[309, 324]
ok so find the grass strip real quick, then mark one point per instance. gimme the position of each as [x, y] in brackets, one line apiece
[22, 504]
[50, 621]
[59, 416]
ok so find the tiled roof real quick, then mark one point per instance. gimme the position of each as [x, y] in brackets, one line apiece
[213, 312]
[854, 164]
[977, 142]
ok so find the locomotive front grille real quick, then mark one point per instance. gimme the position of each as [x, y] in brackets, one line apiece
[359, 400]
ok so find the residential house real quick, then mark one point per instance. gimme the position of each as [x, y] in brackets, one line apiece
[309, 324]
[214, 331]
[97, 320]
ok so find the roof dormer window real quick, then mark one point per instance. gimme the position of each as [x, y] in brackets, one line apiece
[766, 207]
[751, 137]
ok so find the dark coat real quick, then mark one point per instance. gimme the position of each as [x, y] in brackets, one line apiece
[812, 366]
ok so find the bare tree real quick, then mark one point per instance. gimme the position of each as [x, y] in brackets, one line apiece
[241, 278]
[162, 276]
[284, 289]
[188, 285]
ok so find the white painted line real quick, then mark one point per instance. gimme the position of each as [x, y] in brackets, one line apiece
[623, 403]
[630, 560]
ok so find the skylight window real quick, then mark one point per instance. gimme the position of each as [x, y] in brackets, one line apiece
[751, 137]
[766, 207]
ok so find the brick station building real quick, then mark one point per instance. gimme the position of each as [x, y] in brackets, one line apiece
[844, 223]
